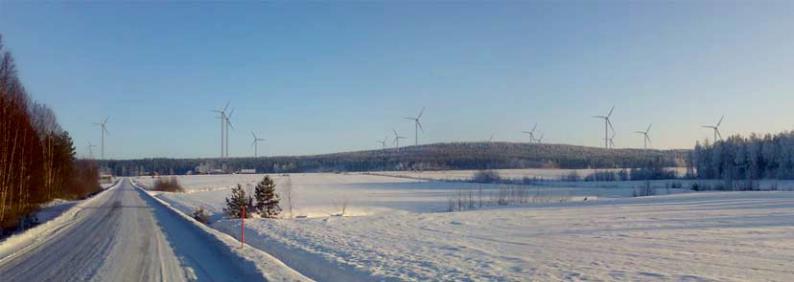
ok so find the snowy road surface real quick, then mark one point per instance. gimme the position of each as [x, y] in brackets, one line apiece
[123, 235]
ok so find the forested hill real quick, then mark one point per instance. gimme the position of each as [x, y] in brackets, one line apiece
[472, 155]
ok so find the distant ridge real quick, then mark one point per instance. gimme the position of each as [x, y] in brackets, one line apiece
[438, 156]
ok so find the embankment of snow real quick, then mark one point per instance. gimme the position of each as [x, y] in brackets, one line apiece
[56, 219]
[271, 268]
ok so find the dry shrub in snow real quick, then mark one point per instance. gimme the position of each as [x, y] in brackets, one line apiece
[341, 206]
[201, 215]
[472, 198]
[167, 184]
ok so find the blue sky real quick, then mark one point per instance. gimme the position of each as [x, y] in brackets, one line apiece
[327, 77]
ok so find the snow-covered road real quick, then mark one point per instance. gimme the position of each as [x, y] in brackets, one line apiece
[124, 235]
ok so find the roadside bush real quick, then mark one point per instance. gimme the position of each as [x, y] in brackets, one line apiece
[201, 215]
[167, 184]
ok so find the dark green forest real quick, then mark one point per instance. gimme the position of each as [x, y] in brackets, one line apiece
[443, 156]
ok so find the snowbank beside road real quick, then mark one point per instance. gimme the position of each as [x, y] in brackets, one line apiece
[55, 216]
[271, 268]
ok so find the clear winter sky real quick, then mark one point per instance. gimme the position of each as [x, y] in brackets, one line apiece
[328, 77]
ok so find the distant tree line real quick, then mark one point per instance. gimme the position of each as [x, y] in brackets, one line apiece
[444, 156]
[746, 158]
[37, 160]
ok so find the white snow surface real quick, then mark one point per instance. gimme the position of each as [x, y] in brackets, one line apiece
[398, 233]
[123, 234]
[516, 174]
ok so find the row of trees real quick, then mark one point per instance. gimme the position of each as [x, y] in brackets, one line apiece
[746, 158]
[37, 160]
[473, 155]
[266, 204]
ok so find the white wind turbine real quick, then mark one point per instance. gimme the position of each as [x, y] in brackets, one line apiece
[222, 117]
[256, 142]
[531, 133]
[646, 139]
[612, 140]
[103, 128]
[417, 125]
[397, 138]
[91, 151]
[716, 129]
[228, 125]
[383, 142]
[607, 126]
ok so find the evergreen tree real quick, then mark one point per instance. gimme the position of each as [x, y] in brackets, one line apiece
[266, 198]
[236, 202]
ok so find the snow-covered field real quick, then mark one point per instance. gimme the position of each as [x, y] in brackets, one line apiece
[324, 194]
[397, 232]
[516, 174]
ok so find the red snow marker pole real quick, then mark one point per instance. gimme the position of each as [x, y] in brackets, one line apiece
[242, 229]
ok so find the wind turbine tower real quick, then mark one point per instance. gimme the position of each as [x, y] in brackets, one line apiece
[397, 138]
[223, 119]
[91, 151]
[417, 125]
[383, 143]
[256, 142]
[103, 128]
[607, 127]
[228, 125]
[646, 139]
[716, 129]
[531, 133]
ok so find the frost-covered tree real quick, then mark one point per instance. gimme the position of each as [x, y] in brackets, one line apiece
[746, 158]
[266, 198]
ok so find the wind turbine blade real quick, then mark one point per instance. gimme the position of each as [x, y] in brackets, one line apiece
[535, 127]
[718, 133]
[106, 120]
[649, 128]
[230, 114]
[422, 112]
[601, 117]
[610, 111]
[227, 105]
[610, 125]
[720, 122]
[409, 118]
[395, 132]
[639, 132]
[252, 134]
[648, 138]
[420, 125]
[106, 130]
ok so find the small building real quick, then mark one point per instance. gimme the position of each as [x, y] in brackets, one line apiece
[247, 171]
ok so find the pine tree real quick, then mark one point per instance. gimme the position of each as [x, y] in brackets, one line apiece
[266, 198]
[236, 202]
